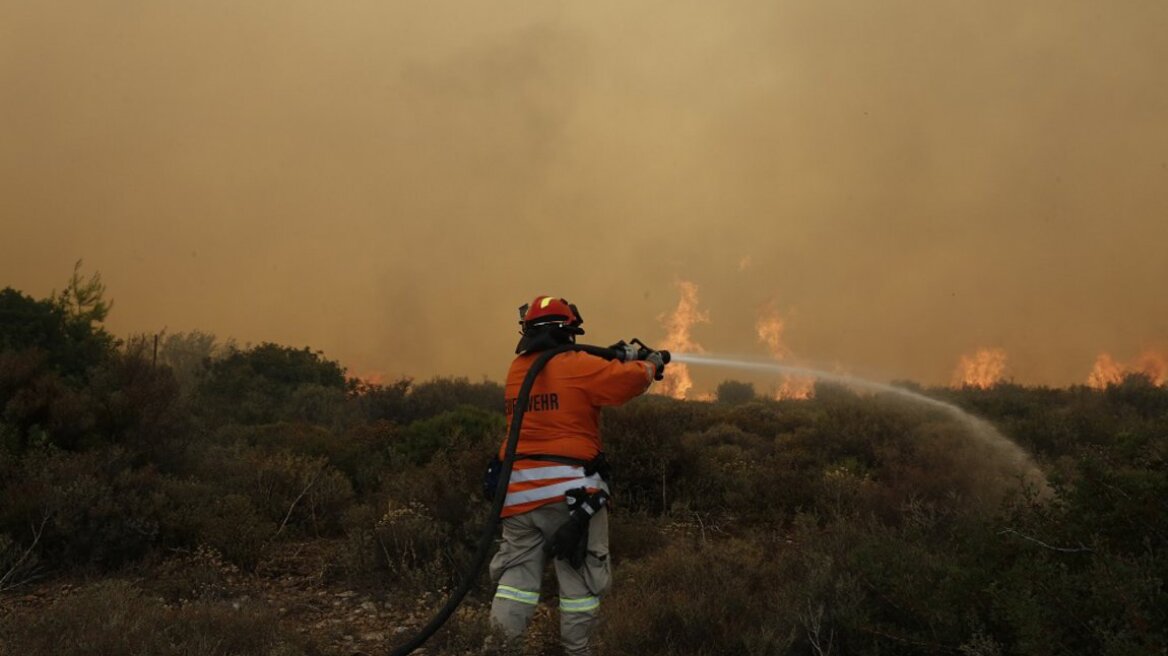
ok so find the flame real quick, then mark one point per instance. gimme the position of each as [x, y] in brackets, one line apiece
[1154, 365]
[368, 378]
[1107, 371]
[983, 369]
[795, 387]
[678, 325]
[770, 327]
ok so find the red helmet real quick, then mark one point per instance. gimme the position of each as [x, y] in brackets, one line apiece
[545, 310]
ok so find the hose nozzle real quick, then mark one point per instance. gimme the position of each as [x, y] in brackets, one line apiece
[635, 349]
[644, 352]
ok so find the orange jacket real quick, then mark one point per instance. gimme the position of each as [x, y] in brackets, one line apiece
[563, 419]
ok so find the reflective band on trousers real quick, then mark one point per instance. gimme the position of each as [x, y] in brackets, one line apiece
[515, 594]
[554, 490]
[579, 604]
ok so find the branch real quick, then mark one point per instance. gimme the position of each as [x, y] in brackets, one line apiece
[933, 646]
[813, 624]
[10, 575]
[1079, 549]
[297, 500]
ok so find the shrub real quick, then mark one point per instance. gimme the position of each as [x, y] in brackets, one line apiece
[402, 547]
[113, 617]
[232, 526]
[734, 392]
[94, 507]
[464, 427]
[298, 491]
[439, 395]
[722, 598]
[259, 385]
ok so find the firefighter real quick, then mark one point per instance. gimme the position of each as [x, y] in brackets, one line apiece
[556, 498]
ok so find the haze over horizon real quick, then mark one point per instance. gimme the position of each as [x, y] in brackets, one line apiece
[903, 183]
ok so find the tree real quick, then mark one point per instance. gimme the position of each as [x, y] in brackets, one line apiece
[257, 385]
[83, 300]
[189, 355]
[66, 327]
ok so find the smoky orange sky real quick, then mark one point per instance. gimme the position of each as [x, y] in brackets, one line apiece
[904, 181]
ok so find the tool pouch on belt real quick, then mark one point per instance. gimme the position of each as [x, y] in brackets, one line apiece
[491, 478]
[599, 465]
[571, 538]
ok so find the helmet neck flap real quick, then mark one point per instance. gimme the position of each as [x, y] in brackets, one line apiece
[548, 322]
[544, 337]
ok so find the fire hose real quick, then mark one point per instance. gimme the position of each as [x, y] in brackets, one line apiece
[621, 351]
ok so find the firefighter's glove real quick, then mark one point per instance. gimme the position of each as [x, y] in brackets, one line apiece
[658, 360]
[570, 540]
[624, 352]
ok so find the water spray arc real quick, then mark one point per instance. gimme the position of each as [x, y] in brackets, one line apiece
[979, 427]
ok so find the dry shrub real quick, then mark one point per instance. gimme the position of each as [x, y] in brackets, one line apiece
[469, 631]
[113, 617]
[634, 536]
[203, 574]
[403, 547]
[301, 492]
[704, 598]
[938, 462]
[18, 564]
[232, 527]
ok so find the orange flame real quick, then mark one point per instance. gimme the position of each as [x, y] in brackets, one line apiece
[1107, 371]
[769, 327]
[1154, 365]
[983, 369]
[368, 379]
[678, 337]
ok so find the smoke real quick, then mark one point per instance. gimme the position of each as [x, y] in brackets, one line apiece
[387, 182]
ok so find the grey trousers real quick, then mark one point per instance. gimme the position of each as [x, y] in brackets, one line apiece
[518, 570]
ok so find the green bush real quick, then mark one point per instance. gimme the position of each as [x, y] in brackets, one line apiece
[439, 395]
[94, 507]
[265, 383]
[463, 427]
